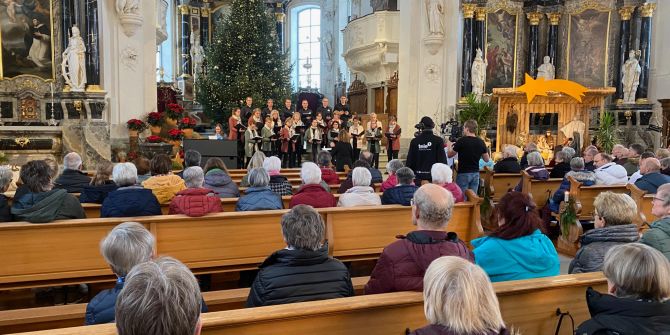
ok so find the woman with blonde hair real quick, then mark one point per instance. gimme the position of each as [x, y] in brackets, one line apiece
[101, 184]
[459, 300]
[638, 285]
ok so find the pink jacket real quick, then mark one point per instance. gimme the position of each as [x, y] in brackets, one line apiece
[455, 191]
[390, 182]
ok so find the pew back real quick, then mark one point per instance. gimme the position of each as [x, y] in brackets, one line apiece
[587, 194]
[499, 183]
[540, 190]
[644, 204]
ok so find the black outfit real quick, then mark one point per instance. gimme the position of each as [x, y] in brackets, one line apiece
[524, 160]
[289, 276]
[470, 149]
[306, 115]
[73, 181]
[424, 151]
[266, 112]
[326, 112]
[507, 165]
[590, 166]
[560, 170]
[342, 153]
[399, 195]
[285, 113]
[611, 315]
[97, 194]
[5, 214]
[245, 113]
[344, 117]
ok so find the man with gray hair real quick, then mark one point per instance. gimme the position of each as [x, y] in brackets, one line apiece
[129, 199]
[580, 174]
[302, 271]
[311, 192]
[161, 297]
[402, 193]
[589, 154]
[191, 158]
[658, 235]
[403, 263]
[6, 176]
[367, 156]
[195, 201]
[652, 178]
[72, 179]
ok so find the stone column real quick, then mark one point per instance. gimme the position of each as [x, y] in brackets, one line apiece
[92, 40]
[185, 41]
[533, 42]
[68, 20]
[624, 46]
[280, 16]
[480, 29]
[467, 47]
[646, 13]
[204, 27]
[552, 38]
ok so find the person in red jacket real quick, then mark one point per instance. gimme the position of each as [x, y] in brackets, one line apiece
[312, 193]
[443, 176]
[403, 263]
[327, 173]
[195, 200]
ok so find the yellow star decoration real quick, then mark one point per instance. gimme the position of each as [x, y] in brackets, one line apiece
[533, 88]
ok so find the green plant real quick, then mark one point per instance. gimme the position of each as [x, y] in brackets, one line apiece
[607, 134]
[482, 111]
[568, 217]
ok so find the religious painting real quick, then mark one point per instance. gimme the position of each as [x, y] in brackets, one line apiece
[217, 17]
[500, 49]
[27, 37]
[587, 54]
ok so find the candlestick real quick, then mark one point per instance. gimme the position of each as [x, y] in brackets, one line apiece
[567, 196]
[52, 120]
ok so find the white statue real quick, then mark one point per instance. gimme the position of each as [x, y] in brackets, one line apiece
[327, 42]
[631, 78]
[478, 74]
[435, 17]
[197, 57]
[546, 70]
[74, 62]
[575, 130]
[127, 7]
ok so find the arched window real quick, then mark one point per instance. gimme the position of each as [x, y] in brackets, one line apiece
[307, 34]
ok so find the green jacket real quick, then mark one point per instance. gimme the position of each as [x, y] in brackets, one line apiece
[47, 206]
[267, 139]
[658, 236]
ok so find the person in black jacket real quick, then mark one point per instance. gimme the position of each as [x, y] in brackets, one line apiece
[342, 151]
[509, 163]
[562, 166]
[425, 150]
[6, 176]
[73, 180]
[638, 284]
[303, 271]
[403, 193]
[100, 186]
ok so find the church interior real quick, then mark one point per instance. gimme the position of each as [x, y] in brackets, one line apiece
[461, 167]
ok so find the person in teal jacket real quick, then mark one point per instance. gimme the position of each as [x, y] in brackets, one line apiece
[517, 249]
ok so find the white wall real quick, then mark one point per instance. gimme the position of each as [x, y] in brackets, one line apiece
[659, 79]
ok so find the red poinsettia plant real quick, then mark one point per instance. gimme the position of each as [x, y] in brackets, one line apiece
[154, 139]
[155, 119]
[175, 134]
[187, 123]
[135, 124]
[133, 155]
[174, 111]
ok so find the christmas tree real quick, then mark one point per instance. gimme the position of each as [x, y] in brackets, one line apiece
[244, 59]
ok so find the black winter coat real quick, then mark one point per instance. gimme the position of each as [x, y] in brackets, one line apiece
[560, 170]
[96, 194]
[507, 165]
[399, 195]
[5, 214]
[130, 201]
[595, 244]
[611, 315]
[289, 276]
[73, 181]
[424, 151]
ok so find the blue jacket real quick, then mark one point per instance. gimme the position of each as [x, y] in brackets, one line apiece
[651, 181]
[587, 178]
[258, 199]
[96, 194]
[399, 195]
[130, 201]
[220, 182]
[531, 256]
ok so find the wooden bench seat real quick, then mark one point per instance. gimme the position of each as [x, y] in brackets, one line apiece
[498, 184]
[539, 190]
[585, 195]
[528, 306]
[644, 204]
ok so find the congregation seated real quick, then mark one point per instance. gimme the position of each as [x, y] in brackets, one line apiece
[348, 183]
[528, 148]
[369, 157]
[589, 154]
[535, 169]
[613, 225]
[101, 184]
[6, 176]
[403, 192]
[195, 200]
[619, 154]
[255, 161]
[130, 199]
[328, 175]
[302, 271]
[608, 172]
[127, 245]
[517, 249]
[635, 150]
[665, 166]
[191, 158]
[652, 178]
[161, 297]
[278, 183]
[43, 203]
[638, 174]
[509, 163]
[391, 167]
[459, 300]
[163, 183]
[580, 174]
[402, 264]
[638, 282]
[72, 179]
[443, 176]
[259, 196]
[361, 194]
[562, 166]
[22, 189]
[658, 234]
[143, 166]
[311, 192]
[217, 179]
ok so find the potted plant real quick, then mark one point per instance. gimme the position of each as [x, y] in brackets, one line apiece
[135, 127]
[607, 134]
[186, 124]
[154, 139]
[174, 112]
[481, 111]
[175, 135]
[153, 145]
[155, 119]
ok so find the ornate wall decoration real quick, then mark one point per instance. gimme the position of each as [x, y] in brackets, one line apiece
[129, 58]
[511, 7]
[577, 7]
[129, 15]
[588, 44]
[501, 49]
[432, 72]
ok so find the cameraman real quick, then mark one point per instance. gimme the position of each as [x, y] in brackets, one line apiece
[469, 149]
[425, 150]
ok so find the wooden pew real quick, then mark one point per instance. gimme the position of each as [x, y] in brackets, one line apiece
[499, 183]
[528, 306]
[540, 190]
[644, 204]
[586, 194]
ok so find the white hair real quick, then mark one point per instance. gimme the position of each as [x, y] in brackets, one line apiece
[258, 177]
[510, 151]
[441, 173]
[361, 177]
[194, 177]
[124, 174]
[6, 176]
[127, 245]
[272, 163]
[310, 173]
[72, 161]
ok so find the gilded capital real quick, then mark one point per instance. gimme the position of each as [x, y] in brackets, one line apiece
[183, 9]
[280, 17]
[469, 10]
[534, 18]
[554, 18]
[480, 14]
[647, 10]
[626, 12]
[204, 12]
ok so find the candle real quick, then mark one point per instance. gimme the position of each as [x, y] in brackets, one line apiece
[567, 196]
[52, 92]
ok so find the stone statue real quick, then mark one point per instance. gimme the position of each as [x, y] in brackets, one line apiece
[435, 17]
[631, 78]
[328, 45]
[127, 6]
[575, 130]
[74, 62]
[546, 70]
[197, 57]
[478, 75]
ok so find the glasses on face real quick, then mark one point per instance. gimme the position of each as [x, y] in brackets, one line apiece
[657, 199]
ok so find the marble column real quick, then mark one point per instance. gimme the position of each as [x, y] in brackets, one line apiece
[533, 42]
[468, 44]
[185, 43]
[646, 13]
[552, 38]
[68, 20]
[480, 29]
[92, 41]
[624, 46]
[280, 16]
[204, 27]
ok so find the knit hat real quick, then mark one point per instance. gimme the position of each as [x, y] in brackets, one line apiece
[428, 122]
